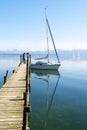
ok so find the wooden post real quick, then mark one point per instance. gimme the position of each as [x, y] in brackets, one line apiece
[5, 77]
[21, 59]
[13, 71]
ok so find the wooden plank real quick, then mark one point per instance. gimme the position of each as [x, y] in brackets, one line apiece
[11, 100]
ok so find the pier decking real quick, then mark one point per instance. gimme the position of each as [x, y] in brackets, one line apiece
[12, 101]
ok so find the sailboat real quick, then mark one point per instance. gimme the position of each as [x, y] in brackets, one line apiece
[44, 62]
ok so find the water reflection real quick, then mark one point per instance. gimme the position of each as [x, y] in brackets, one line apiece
[50, 103]
[47, 77]
[45, 72]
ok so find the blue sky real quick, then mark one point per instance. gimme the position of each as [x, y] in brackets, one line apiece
[23, 26]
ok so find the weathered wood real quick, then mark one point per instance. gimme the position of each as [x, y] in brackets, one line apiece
[11, 100]
[14, 98]
[21, 58]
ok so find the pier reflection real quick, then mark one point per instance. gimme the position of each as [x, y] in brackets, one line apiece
[47, 77]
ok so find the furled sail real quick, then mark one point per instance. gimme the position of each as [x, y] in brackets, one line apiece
[42, 58]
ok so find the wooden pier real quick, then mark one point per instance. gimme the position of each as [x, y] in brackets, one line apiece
[14, 99]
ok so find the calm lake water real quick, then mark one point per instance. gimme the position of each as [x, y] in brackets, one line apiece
[8, 62]
[58, 100]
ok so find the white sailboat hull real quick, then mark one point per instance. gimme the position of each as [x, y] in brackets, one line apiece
[45, 66]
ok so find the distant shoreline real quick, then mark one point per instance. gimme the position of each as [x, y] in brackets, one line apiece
[44, 52]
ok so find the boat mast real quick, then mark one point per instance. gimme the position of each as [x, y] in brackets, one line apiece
[52, 39]
[47, 37]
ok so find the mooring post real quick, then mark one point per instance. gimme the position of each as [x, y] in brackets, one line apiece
[5, 77]
[29, 65]
[21, 58]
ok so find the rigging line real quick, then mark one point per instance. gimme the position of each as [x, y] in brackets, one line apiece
[52, 39]
[53, 94]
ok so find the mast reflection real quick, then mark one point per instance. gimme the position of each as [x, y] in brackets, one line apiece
[45, 76]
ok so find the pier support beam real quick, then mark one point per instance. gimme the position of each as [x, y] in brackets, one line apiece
[27, 107]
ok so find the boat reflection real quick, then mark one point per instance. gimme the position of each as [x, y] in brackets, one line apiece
[48, 105]
[46, 76]
[45, 72]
